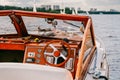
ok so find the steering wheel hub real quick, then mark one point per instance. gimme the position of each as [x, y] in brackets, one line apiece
[57, 53]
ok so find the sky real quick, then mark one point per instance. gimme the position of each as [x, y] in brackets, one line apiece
[83, 4]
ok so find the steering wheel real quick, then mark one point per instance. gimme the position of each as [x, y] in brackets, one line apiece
[55, 53]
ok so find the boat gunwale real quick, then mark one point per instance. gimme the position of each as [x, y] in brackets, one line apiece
[44, 15]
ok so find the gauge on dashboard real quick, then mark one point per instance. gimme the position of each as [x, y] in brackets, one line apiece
[69, 64]
[50, 59]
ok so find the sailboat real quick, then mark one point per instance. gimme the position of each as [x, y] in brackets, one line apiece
[74, 11]
[34, 7]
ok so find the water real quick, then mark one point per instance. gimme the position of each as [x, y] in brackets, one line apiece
[107, 27]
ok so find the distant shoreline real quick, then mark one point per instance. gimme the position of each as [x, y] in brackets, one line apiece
[67, 10]
[99, 12]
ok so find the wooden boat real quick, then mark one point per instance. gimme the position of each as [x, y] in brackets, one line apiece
[48, 46]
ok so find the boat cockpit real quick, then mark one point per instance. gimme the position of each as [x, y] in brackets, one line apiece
[47, 39]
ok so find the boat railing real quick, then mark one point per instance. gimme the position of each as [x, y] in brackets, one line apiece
[82, 65]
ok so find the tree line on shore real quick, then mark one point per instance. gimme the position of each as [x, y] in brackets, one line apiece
[6, 7]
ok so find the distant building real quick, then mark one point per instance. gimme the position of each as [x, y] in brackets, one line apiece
[47, 7]
[56, 7]
[72, 8]
[93, 9]
[113, 10]
[79, 9]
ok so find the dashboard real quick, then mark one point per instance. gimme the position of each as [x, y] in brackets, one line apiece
[51, 53]
[57, 53]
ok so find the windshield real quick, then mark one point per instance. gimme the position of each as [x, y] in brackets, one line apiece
[6, 26]
[40, 25]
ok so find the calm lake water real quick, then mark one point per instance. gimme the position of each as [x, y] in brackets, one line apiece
[107, 27]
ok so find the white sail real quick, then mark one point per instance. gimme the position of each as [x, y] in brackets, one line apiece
[34, 7]
[74, 11]
[62, 11]
[87, 12]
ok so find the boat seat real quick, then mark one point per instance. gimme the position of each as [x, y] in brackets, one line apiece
[24, 71]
